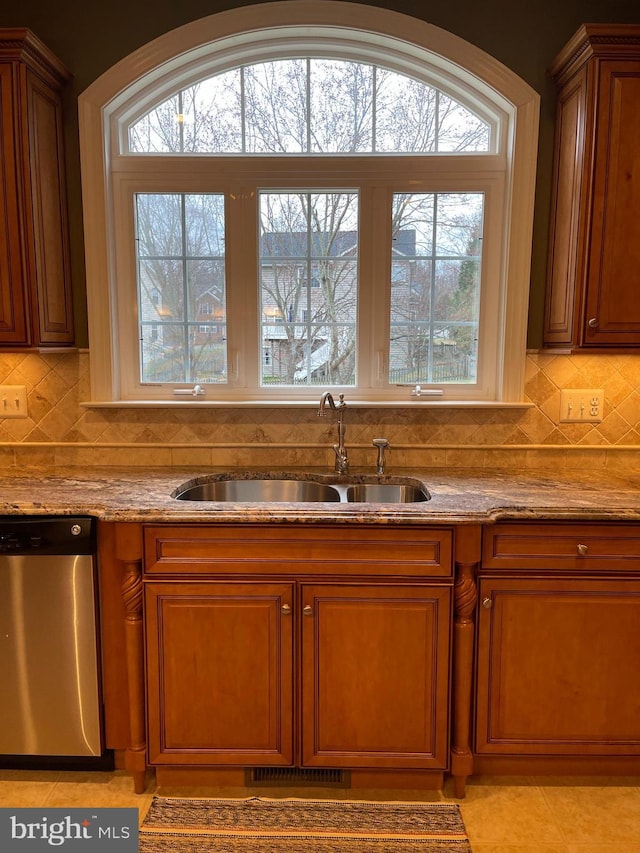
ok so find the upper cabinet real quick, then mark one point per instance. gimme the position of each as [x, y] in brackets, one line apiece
[35, 286]
[593, 281]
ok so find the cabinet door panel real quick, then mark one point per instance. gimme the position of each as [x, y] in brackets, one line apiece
[375, 676]
[49, 216]
[613, 285]
[565, 215]
[219, 665]
[558, 667]
[13, 328]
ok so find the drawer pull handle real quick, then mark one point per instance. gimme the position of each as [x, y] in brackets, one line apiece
[286, 609]
[593, 323]
[487, 603]
[307, 610]
[583, 550]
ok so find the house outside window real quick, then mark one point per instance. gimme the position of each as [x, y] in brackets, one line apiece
[317, 164]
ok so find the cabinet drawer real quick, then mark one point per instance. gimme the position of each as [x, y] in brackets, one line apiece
[300, 549]
[579, 547]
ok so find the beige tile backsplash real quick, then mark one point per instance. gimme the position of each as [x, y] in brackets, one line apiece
[60, 431]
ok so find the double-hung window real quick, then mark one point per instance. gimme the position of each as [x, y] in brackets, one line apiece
[296, 210]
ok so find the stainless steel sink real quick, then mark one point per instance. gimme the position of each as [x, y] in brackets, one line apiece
[260, 491]
[301, 490]
[386, 493]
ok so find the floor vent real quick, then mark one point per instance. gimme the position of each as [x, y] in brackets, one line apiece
[297, 776]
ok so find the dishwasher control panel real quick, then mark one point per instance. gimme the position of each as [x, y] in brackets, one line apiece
[47, 534]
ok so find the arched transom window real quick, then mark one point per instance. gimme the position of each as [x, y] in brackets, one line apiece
[310, 106]
[288, 210]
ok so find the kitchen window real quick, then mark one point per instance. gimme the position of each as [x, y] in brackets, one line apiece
[372, 169]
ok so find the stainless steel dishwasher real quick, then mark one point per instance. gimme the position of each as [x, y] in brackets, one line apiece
[50, 698]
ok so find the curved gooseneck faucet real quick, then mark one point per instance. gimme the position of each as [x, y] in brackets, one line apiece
[342, 461]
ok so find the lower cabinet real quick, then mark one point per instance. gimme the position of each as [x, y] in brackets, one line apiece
[354, 647]
[293, 669]
[558, 647]
[328, 647]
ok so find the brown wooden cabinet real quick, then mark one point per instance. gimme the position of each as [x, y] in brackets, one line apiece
[35, 288]
[322, 647]
[300, 646]
[593, 281]
[558, 645]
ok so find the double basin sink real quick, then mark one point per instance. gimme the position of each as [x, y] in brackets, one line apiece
[294, 490]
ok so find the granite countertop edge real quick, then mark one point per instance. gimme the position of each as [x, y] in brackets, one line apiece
[459, 496]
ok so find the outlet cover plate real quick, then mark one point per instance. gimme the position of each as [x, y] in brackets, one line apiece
[13, 401]
[582, 405]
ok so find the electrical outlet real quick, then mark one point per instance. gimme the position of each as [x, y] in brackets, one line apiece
[581, 406]
[13, 401]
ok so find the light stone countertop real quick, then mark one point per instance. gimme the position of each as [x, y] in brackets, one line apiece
[460, 496]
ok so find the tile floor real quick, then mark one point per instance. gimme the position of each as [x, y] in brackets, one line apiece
[502, 815]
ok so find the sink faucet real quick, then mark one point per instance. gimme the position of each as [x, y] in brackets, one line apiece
[382, 444]
[342, 462]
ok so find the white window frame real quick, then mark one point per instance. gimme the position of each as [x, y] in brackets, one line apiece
[258, 33]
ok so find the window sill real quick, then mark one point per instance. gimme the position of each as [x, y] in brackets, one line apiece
[199, 403]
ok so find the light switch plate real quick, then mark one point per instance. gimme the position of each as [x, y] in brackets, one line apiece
[13, 401]
[583, 405]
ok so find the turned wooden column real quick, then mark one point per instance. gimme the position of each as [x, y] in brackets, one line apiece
[129, 553]
[467, 558]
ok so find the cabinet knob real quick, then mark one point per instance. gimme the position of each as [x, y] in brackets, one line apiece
[593, 323]
[583, 550]
[487, 603]
[286, 609]
[307, 610]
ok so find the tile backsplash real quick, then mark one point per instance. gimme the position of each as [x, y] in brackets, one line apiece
[60, 431]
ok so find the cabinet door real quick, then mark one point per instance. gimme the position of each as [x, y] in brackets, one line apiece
[612, 314]
[558, 667]
[219, 671]
[567, 212]
[375, 676]
[35, 272]
[47, 226]
[13, 328]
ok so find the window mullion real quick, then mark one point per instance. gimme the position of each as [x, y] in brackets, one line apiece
[308, 105]
[241, 265]
[374, 286]
[374, 109]
[308, 325]
[185, 291]
[432, 289]
[180, 119]
[243, 118]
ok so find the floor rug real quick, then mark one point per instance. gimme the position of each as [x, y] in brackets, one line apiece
[261, 825]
